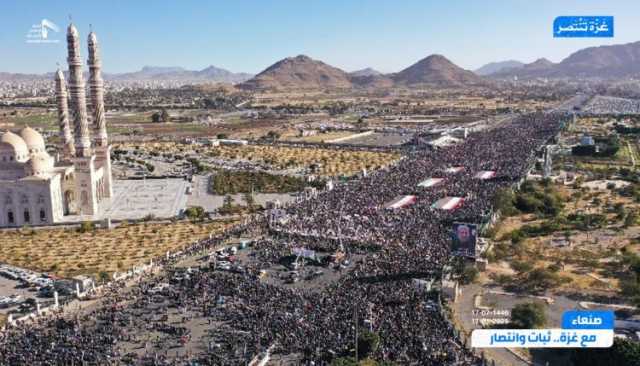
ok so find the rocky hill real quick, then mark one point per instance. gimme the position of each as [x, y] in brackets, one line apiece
[297, 73]
[437, 70]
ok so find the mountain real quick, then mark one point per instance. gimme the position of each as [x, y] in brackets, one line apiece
[616, 61]
[539, 64]
[372, 81]
[604, 62]
[17, 77]
[437, 70]
[149, 73]
[300, 72]
[160, 70]
[365, 72]
[218, 74]
[210, 74]
[494, 67]
[538, 68]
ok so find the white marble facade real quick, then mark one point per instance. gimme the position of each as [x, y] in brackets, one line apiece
[36, 188]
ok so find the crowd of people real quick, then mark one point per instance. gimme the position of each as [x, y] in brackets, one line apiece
[419, 233]
[607, 105]
[222, 318]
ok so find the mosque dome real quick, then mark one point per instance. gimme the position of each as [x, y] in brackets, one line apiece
[40, 164]
[19, 150]
[33, 139]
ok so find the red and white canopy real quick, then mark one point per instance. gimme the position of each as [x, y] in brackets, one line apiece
[430, 182]
[400, 202]
[485, 174]
[448, 203]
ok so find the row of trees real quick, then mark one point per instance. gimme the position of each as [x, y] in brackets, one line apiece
[541, 199]
[232, 182]
[604, 148]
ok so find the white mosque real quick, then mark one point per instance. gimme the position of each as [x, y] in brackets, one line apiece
[38, 189]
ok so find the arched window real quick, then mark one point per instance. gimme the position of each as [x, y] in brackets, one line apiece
[24, 199]
[40, 198]
[27, 217]
[43, 215]
[10, 217]
[7, 199]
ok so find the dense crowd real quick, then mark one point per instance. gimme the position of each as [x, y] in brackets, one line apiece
[419, 233]
[221, 318]
[611, 105]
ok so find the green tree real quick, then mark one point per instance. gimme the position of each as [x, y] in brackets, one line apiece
[469, 275]
[86, 226]
[103, 276]
[195, 213]
[623, 352]
[249, 200]
[272, 135]
[164, 116]
[631, 219]
[228, 201]
[528, 316]
[521, 266]
[344, 361]
[368, 343]
[540, 280]
[503, 201]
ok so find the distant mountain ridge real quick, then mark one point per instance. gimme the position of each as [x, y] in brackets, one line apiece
[605, 62]
[303, 72]
[365, 72]
[493, 67]
[147, 73]
[210, 73]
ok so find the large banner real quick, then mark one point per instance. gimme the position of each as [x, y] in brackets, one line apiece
[464, 238]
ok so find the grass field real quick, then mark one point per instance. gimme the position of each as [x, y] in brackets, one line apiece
[34, 118]
[67, 252]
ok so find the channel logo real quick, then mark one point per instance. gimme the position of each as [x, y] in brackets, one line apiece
[580, 329]
[583, 26]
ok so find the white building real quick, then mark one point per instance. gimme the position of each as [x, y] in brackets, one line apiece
[37, 189]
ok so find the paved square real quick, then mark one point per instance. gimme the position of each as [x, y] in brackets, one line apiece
[135, 199]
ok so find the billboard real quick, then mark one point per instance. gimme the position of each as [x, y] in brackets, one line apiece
[464, 238]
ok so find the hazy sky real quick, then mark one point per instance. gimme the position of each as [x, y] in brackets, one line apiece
[244, 35]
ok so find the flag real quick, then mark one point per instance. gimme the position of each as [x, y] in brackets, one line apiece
[448, 203]
[430, 182]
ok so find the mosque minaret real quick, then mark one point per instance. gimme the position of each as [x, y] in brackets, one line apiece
[96, 88]
[68, 147]
[78, 94]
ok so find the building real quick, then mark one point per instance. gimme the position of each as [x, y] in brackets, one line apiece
[39, 189]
